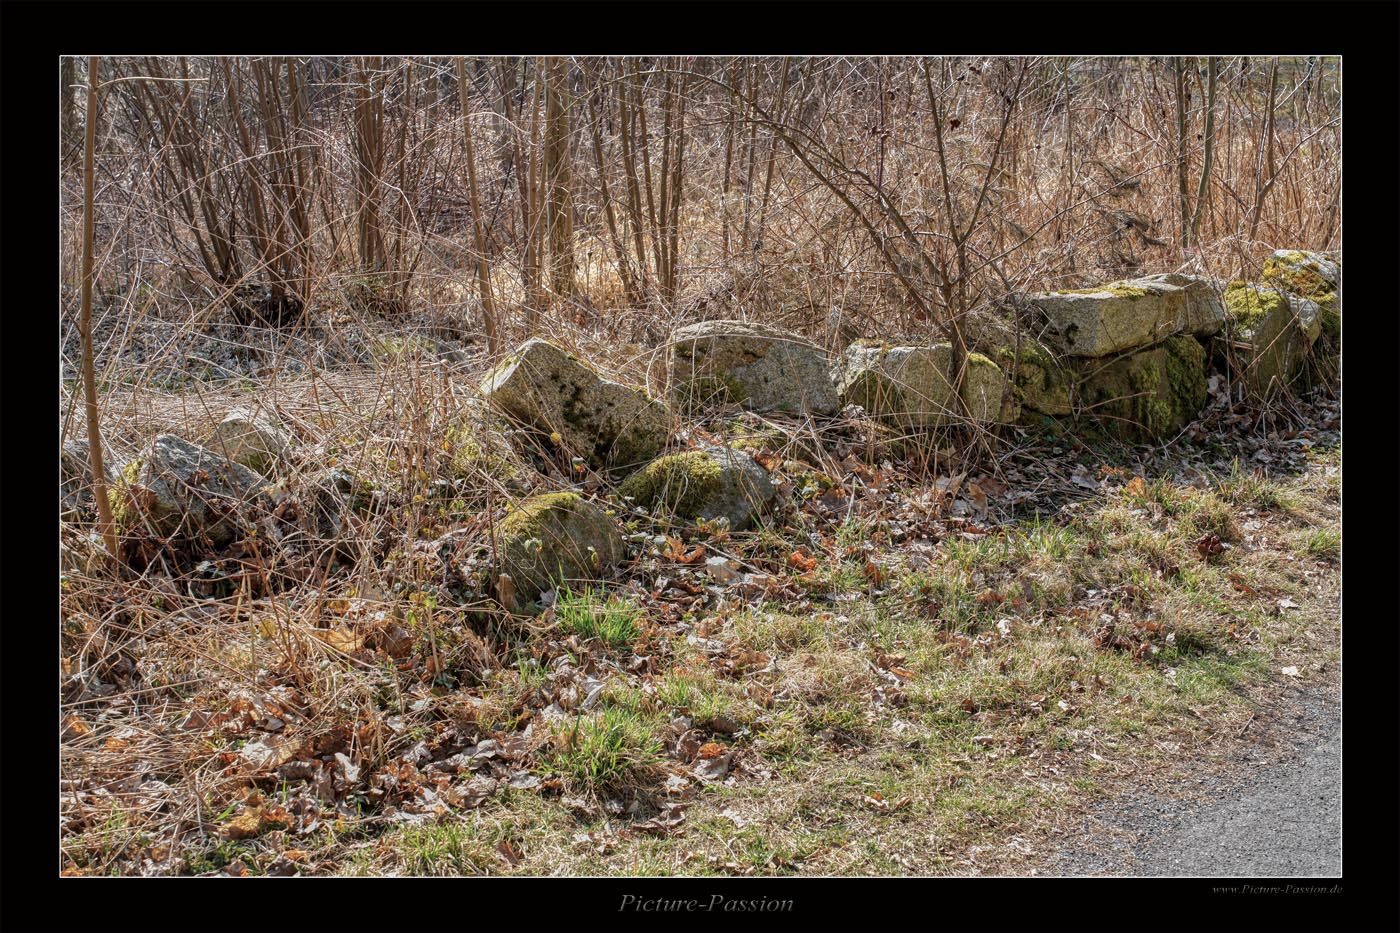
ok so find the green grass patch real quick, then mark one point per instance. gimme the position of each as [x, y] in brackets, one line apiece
[615, 748]
[614, 620]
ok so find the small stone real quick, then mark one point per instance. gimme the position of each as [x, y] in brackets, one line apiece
[704, 485]
[251, 440]
[557, 538]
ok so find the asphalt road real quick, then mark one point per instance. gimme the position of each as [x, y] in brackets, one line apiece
[1274, 812]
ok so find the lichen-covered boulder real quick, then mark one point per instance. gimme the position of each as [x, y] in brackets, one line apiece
[759, 367]
[1120, 316]
[1045, 384]
[1151, 394]
[1271, 334]
[251, 440]
[178, 489]
[716, 482]
[1316, 276]
[1302, 273]
[612, 426]
[552, 539]
[911, 386]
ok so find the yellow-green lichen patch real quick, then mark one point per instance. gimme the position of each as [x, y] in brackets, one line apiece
[119, 495]
[1298, 273]
[1246, 306]
[471, 458]
[1120, 290]
[682, 483]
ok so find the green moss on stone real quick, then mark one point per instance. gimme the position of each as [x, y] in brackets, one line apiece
[119, 497]
[683, 483]
[1247, 305]
[1151, 394]
[1041, 382]
[1298, 274]
[524, 522]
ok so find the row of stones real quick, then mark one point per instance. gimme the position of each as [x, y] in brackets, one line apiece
[1132, 350]
[1148, 371]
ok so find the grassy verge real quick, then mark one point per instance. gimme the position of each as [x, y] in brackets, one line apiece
[894, 685]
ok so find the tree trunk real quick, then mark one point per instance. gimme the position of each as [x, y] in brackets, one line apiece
[94, 425]
[558, 180]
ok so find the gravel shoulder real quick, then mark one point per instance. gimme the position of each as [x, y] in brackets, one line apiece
[1272, 810]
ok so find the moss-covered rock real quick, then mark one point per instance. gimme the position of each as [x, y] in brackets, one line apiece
[612, 426]
[702, 485]
[556, 538]
[179, 489]
[1108, 319]
[251, 440]
[1045, 386]
[987, 392]
[1148, 395]
[1317, 276]
[1271, 334]
[1302, 273]
[759, 367]
[912, 386]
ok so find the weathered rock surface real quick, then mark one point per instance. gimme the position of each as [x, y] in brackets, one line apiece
[1046, 385]
[1151, 394]
[910, 386]
[176, 488]
[251, 440]
[1316, 276]
[1302, 273]
[326, 503]
[552, 539]
[759, 367]
[1271, 334]
[612, 426]
[1125, 315]
[703, 484]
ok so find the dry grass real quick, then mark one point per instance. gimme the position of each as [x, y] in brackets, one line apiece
[962, 701]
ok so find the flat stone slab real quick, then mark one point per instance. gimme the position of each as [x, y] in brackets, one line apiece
[612, 426]
[759, 367]
[1125, 315]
